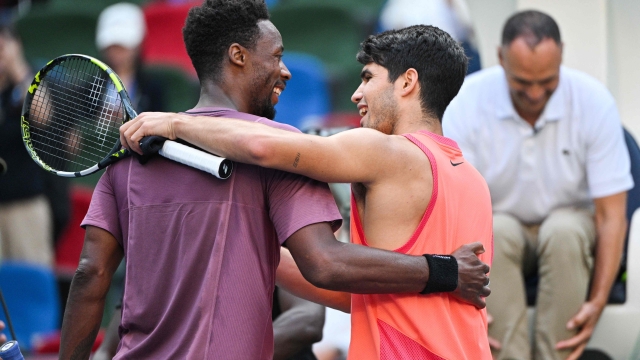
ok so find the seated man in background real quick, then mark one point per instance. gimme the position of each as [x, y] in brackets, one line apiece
[549, 142]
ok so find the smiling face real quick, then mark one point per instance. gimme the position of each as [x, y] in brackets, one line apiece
[269, 72]
[532, 74]
[376, 100]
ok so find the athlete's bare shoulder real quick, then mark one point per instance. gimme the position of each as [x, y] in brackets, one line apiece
[391, 207]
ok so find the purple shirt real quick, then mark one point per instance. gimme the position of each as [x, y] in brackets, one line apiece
[201, 252]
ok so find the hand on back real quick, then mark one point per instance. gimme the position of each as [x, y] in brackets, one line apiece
[473, 282]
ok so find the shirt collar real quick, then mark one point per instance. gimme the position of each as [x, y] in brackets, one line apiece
[554, 110]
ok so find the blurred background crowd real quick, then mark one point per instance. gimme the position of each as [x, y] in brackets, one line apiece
[142, 41]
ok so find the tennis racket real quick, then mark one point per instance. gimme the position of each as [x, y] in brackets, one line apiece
[71, 116]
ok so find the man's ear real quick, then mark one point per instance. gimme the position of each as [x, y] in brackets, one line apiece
[409, 82]
[237, 54]
[561, 50]
[501, 55]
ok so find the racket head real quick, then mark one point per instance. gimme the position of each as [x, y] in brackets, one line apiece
[71, 116]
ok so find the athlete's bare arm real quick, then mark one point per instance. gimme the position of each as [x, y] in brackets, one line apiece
[288, 277]
[351, 156]
[329, 264]
[470, 273]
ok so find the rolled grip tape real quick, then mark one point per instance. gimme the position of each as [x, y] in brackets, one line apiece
[219, 167]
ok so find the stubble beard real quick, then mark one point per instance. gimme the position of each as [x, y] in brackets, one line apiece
[262, 106]
[387, 113]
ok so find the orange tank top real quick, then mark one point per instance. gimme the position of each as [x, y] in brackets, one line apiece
[435, 326]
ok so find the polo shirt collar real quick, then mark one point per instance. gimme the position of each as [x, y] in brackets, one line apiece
[554, 110]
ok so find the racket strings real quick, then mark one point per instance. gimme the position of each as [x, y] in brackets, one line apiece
[74, 115]
[69, 112]
[61, 128]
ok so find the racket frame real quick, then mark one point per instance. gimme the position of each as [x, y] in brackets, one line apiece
[116, 153]
[219, 167]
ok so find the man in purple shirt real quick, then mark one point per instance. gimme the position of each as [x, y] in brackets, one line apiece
[202, 252]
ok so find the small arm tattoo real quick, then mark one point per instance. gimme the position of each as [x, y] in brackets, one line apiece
[295, 162]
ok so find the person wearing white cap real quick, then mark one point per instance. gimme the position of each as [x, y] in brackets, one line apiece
[119, 35]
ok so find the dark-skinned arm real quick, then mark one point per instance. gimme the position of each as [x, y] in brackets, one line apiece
[299, 325]
[288, 277]
[100, 257]
[330, 264]
[109, 345]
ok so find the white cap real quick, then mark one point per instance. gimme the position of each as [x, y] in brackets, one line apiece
[120, 24]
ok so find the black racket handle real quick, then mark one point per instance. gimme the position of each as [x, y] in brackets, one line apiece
[150, 145]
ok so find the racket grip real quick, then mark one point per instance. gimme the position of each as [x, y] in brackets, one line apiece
[150, 145]
[219, 167]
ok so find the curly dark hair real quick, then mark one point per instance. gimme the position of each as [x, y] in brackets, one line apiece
[216, 24]
[439, 60]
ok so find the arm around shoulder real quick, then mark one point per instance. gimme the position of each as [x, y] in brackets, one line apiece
[357, 155]
[330, 264]
[289, 277]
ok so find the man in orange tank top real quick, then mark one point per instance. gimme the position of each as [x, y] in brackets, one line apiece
[413, 191]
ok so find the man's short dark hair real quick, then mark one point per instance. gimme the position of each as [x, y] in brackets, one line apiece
[533, 25]
[439, 60]
[212, 27]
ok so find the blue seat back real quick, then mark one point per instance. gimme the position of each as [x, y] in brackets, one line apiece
[633, 196]
[618, 293]
[330, 32]
[306, 97]
[31, 294]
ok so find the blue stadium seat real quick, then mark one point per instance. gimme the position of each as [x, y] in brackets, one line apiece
[330, 32]
[306, 98]
[31, 294]
[633, 197]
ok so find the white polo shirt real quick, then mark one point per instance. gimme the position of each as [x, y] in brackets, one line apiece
[575, 152]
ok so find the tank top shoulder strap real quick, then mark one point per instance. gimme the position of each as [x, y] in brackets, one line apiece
[413, 137]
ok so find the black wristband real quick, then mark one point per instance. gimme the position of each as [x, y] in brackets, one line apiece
[443, 274]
